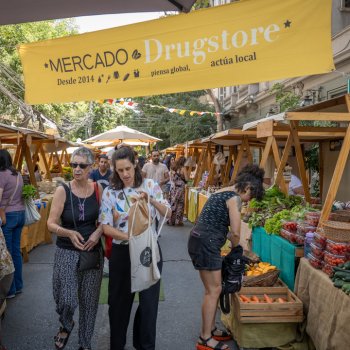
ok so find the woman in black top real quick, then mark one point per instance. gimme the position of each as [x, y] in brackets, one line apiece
[72, 287]
[208, 236]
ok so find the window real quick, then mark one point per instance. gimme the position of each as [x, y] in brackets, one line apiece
[344, 5]
[222, 94]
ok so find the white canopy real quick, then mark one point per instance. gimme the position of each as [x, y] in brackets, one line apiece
[123, 134]
[276, 117]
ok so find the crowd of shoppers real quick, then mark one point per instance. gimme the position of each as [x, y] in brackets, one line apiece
[104, 195]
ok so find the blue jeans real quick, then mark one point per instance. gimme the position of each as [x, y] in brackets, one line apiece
[12, 232]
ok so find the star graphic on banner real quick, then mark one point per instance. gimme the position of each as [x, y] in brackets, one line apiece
[287, 23]
[46, 65]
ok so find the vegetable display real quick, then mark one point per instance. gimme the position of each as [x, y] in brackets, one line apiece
[29, 191]
[341, 277]
[266, 299]
[275, 207]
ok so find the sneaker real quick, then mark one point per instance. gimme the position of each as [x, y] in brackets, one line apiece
[18, 291]
[10, 296]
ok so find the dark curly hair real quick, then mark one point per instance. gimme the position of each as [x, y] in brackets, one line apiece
[251, 176]
[124, 152]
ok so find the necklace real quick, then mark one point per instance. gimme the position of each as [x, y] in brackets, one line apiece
[81, 206]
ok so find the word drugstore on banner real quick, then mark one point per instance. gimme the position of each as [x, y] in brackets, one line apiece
[239, 43]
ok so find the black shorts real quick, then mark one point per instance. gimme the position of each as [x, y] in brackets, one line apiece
[204, 246]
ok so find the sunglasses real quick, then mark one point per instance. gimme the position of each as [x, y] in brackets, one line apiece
[81, 165]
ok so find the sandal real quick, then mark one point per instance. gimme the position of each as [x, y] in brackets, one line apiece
[202, 344]
[61, 342]
[223, 335]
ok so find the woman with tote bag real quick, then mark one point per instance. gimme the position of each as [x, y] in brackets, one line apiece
[127, 185]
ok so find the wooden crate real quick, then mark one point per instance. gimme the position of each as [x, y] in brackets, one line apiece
[290, 311]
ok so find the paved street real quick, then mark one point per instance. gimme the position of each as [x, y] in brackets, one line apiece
[31, 321]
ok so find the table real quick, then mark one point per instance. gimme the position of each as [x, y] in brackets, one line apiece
[37, 233]
[192, 210]
[327, 308]
[277, 251]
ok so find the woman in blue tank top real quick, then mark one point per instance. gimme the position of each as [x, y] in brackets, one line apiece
[223, 209]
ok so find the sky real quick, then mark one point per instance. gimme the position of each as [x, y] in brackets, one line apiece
[92, 23]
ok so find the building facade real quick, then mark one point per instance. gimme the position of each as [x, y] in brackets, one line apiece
[245, 103]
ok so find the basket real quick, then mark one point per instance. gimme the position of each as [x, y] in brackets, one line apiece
[340, 215]
[267, 279]
[337, 231]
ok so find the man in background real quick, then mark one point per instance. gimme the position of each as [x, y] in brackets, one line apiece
[102, 173]
[156, 170]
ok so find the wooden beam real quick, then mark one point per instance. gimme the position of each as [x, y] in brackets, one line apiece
[247, 147]
[29, 161]
[300, 160]
[16, 158]
[284, 159]
[321, 169]
[338, 172]
[47, 168]
[228, 166]
[58, 161]
[237, 162]
[200, 166]
[266, 152]
[277, 159]
[50, 160]
[326, 116]
[21, 155]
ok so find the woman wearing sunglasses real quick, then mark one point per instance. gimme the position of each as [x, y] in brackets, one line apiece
[126, 185]
[73, 217]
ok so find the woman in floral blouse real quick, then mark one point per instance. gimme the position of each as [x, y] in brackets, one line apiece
[126, 185]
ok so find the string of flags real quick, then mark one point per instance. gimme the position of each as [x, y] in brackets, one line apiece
[180, 111]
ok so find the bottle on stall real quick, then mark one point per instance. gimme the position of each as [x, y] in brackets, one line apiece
[309, 237]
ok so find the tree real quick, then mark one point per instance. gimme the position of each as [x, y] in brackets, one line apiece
[11, 69]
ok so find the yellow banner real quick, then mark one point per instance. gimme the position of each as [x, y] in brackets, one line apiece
[241, 43]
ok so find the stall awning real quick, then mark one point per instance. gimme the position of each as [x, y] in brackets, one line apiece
[19, 11]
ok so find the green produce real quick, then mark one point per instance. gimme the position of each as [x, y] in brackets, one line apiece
[338, 283]
[274, 224]
[347, 265]
[29, 191]
[346, 288]
[342, 274]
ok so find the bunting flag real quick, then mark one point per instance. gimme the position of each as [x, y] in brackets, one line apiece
[244, 42]
[171, 110]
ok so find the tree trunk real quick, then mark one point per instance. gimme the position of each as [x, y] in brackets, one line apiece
[218, 109]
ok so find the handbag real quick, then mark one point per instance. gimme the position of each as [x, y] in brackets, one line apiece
[106, 241]
[88, 260]
[31, 214]
[3, 210]
[144, 255]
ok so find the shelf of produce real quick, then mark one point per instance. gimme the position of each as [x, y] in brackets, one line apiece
[326, 308]
[277, 251]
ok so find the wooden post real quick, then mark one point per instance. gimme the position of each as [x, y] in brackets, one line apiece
[284, 159]
[249, 153]
[16, 158]
[28, 158]
[58, 161]
[237, 162]
[276, 156]
[21, 155]
[266, 152]
[200, 166]
[338, 171]
[228, 166]
[300, 159]
[50, 160]
[47, 168]
[321, 168]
